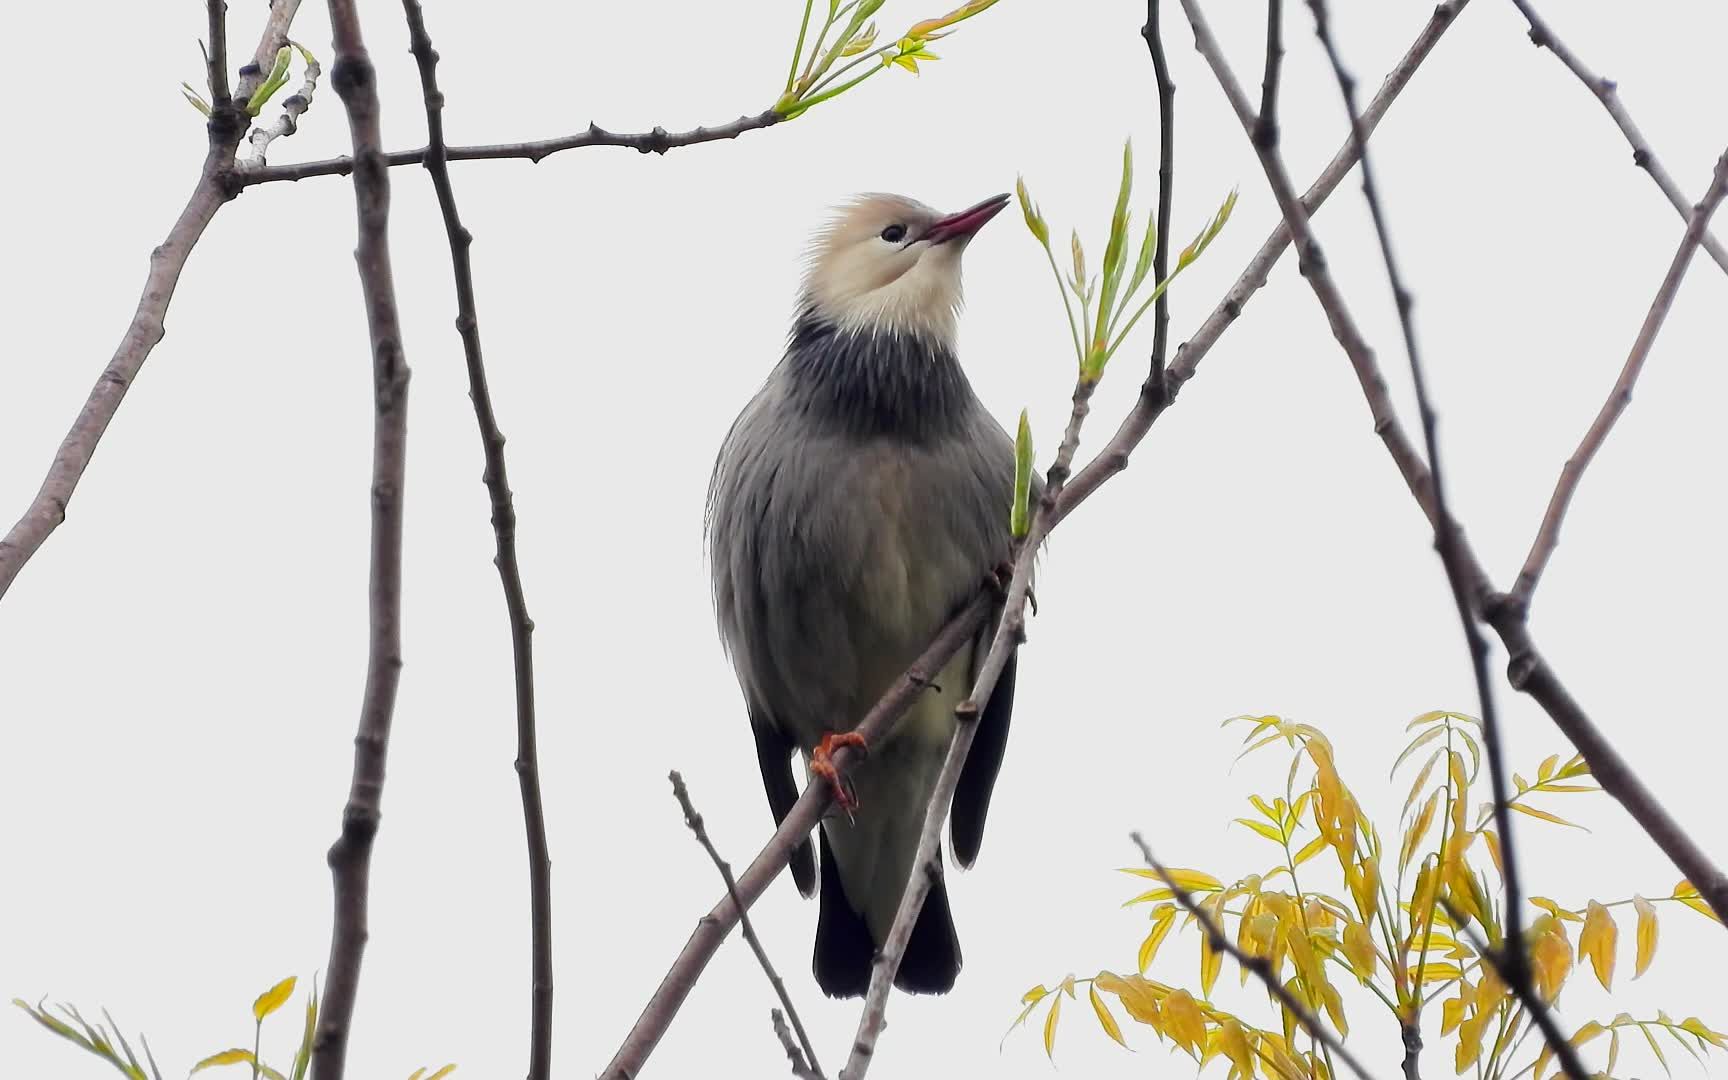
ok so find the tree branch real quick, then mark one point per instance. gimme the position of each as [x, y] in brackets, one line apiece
[801, 1069]
[805, 1059]
[1543, 1017]
[48, 509]
[1548, 536]
[217, 56]
[497, 479]
[1607, 92]
[354, 80]
[1153, 32]
[1154, 397]
[1445, 537]
[712, 929]
[657, 141]
[1258, 966]
[1527, 671]
[1266, 124]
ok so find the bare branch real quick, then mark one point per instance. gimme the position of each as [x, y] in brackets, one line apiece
[217, 55]
[1564, 1052]
[1446, 538]
[1258, 966]
[693, 821]
[794, 1056]
[497, 479]
[712, 929]
[1266, 124]
[1608, 93]
[1548, 536]
[1153, 32]
[1527, 670]
[657, 141]
[48, 509]
[1154, 397]
[355, 82]
[294, 106]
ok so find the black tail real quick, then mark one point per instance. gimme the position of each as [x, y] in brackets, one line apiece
[845, 950]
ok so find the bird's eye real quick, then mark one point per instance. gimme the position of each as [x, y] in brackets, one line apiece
[894, 233]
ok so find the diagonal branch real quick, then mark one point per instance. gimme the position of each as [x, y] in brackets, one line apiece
[1153, 32]
[1258, 966]
[1155, 396]
[805, 1062]
[1548, 536]
[497, 480]
[1564, 1052]
[48, 509]
[1608, 93]
[657, 141]
[355, 82]
[1446, 541]
[1527, 670]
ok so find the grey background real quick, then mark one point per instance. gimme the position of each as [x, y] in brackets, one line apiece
[182, 662]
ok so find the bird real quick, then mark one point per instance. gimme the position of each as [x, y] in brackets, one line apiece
[860, 499]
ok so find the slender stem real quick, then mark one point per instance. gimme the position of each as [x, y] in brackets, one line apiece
[1153, 32]
[354, 79]
[497, 480]
[852, 63]
[798, 49]
[220, 99]
[1548, 536]
[1605, 90]
[1266, 123]
[693, 821]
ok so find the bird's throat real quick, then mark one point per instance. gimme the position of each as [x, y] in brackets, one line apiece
[875, 382]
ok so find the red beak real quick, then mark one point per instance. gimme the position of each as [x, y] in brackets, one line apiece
[967, 221]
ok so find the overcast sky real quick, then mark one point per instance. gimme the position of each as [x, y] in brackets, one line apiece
[182, 663]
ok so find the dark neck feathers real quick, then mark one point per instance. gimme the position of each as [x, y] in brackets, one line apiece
[874, 382]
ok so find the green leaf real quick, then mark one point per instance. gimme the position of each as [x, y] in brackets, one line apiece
[276, 80]
[1115, 250]
[225, 1057]
[1020, 515]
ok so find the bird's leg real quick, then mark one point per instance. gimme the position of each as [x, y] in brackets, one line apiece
[822, 764]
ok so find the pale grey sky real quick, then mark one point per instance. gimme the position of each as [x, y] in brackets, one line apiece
[182, 662]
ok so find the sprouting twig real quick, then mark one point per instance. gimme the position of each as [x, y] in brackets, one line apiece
[1258, 966]
[294, 106]
[1153, 32]
[355, 82]
[657, 141]
[1608, 93]
[660, 1010]
[497, 480]
[48, 509]
[1548, 536]
[693, 821]
[1446, 535]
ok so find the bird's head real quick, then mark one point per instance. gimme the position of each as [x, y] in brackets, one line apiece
[886, 262]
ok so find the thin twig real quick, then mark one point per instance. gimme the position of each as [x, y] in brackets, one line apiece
[48, 509]
[1154, 397]
[1153, 32]
[1548, 536]
[1537, 1009]
[217, 68]
[1258, 966]
[1446, 529]
[1266, 123]
[497, 479]
[657, 141]
[712, 928]
[294, 106]
[1608, 93]
[795, 1057]
[354, 79]
[1527, 670]
[693, 821]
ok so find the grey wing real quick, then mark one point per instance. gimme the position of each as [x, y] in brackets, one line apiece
[774, 754]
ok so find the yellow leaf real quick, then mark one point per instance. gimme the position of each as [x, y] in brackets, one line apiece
[1589, 1031]
[1492, 839]
[1234, 1043]
[1310, 849]
[1034, 995]
[1268, 831]
[1163, 917]
[272, 999]
[1696, 1027]
[1421, 778]
[1436, 972]
[1418, 828]
[1546, 770]
[1184, 1021]
[1597, 941]
[1107, 1021]
[1550, 956]
[1417, 743]
[1359, 950]
[442, 1073]
[1543, 815]
[226, 1057]
[1646, 933]
[1687, 893]
[1555, 909]
[1191, 880]
[1050, 1026]
[1543, 1060]
[1451, 1015]
[1211, 960]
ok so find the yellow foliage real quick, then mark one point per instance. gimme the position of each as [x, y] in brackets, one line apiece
[1400, 937]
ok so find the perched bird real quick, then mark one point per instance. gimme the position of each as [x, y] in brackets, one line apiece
[859, 500]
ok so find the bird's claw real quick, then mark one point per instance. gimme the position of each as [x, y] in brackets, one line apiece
[822, 765]
[1001, 577]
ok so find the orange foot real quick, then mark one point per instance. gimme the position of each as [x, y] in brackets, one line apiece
[822, 764]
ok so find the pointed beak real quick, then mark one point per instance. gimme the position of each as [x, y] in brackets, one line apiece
[961, 226]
